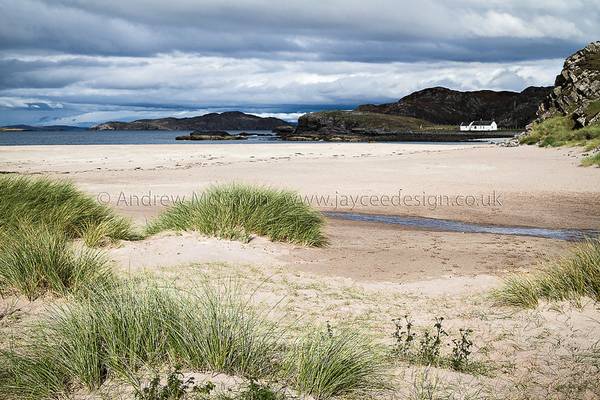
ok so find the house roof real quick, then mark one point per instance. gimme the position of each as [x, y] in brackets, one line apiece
[482, 122]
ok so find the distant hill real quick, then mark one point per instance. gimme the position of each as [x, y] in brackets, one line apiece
[232, 120]
[444, 106]
[24, 128]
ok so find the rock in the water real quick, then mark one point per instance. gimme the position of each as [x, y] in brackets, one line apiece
[577, 89]
[210, 135]
[283, 129]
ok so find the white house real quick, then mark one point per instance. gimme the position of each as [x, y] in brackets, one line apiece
[480, 126]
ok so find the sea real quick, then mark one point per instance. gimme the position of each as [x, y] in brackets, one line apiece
[85, 137]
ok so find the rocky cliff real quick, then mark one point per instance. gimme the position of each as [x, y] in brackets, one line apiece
[440, 105]
[233, 120]
[576, 90]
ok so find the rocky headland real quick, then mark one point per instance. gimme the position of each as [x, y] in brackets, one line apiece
[427, 115]
[444, 106]
[359, 126]
[576, 91]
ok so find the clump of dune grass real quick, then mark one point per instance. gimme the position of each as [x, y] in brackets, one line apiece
[60, 205]
[115, 330]
[226, 334]
[594, 159]
[238, 211]
[35, 260]
[559, 131]
[330, 364]
[569, 278]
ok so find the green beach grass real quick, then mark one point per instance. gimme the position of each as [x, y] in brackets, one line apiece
[329, 364]
[559, 131]
[114, 331]
[35, 260]
[570, 278]
[237, 211]
[59, 205]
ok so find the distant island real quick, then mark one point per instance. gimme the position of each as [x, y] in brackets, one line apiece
[231, 120]
[30, 128]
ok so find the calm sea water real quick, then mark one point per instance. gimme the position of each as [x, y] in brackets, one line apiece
[118, 137]
[144, 137]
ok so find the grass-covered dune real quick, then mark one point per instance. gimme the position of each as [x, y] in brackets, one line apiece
[237, 211]
[119, 329]
[559, 131]
[60, 206]
[569, 278]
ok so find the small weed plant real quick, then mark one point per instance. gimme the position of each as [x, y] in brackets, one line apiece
[176, 387]
[427, 348]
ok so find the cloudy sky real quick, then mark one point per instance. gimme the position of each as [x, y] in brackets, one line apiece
[80, 62]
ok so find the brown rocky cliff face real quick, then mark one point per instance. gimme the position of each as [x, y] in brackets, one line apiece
[451, 107]
[577, 86]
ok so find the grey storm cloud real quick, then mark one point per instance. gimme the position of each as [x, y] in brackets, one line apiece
[378, 30]
[80, 61]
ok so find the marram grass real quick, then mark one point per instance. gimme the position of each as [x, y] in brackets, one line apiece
[238, 211]
[329, 364]
[594, 159]
[61, 206]
[115, 330]
[558, 131]
[35, 260]
[569, 278]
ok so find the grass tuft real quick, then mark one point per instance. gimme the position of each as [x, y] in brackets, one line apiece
[238, 211]
[61, 206]
[223, 333]
[115, 330]
[35, 260]
[591, 160]
[559, 131]
[330, 364]
[570, 278]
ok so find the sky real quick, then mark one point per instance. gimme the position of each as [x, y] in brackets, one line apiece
[81, 62]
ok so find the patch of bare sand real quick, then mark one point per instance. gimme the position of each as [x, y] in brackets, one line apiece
[172, 248]
[360, 251]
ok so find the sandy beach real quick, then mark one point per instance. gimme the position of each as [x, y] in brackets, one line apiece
[369, 272]
[532, 187]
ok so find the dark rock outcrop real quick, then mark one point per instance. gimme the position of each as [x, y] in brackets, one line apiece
[283, 129]
[233, 120]
[576, 90]
[444, 106]
[211, 135]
